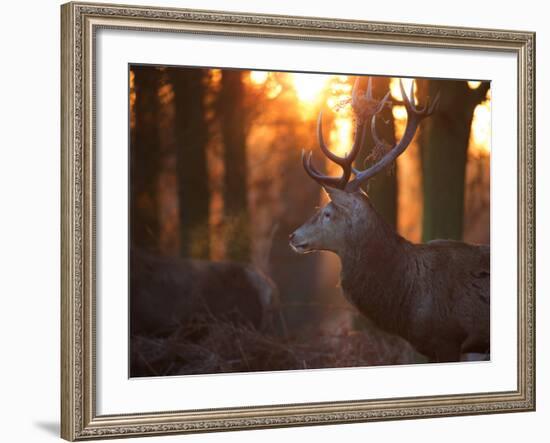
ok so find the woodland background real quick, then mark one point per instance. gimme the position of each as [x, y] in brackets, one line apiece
[216, 174]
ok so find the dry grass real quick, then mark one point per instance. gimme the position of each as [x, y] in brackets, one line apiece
[220, 347]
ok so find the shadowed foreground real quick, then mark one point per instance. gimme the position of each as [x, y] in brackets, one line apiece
[223, 347]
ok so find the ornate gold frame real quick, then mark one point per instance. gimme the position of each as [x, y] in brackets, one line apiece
[79, 420]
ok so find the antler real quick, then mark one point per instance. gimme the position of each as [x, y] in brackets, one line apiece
[366, 106]
[414, 117]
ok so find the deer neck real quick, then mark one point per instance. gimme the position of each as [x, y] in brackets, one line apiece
[374, 276]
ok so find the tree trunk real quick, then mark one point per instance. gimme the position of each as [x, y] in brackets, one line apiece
[193, 184]
[445, 138]
[382, 189]
[145, 160]
[232, 115]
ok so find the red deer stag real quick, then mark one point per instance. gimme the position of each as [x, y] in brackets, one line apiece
[434, 295]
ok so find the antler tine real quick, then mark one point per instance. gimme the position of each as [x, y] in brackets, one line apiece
[368, 94]
[382, 103]
[355, 93]
[406, 100]
[344, 162]
[356, 97]
[377, 141]
[341, 161]
[365, 107]
[434, 104]
[428, 108]
[323, 180]
[414, 117]
[321, 140]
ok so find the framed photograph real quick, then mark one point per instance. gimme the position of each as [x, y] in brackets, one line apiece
[282, 221]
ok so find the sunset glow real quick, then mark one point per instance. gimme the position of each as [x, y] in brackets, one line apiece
[258, 77]
[480, 137]
[399, 112]
[316, 92]
[395, 89]
[341, 135]
[474, 84]
[309, 86]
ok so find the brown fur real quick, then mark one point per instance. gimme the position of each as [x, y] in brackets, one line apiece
[169, 293]
[435, 295]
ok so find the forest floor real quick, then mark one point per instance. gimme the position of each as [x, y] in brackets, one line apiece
[222, 347]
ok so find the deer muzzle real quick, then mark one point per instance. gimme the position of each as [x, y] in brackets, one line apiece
[298, 243]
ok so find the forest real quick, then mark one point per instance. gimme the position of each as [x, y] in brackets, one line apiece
[217, 185]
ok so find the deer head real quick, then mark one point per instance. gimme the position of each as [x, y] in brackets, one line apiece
[349, 211]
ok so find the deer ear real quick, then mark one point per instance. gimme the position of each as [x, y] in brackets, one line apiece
[340, 198]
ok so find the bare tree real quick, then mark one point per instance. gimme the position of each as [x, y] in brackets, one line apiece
[191, 131]
[232, 115]
[145, 159]
[444, 147]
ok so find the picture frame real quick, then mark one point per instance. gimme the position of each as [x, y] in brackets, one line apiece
[80, 177]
